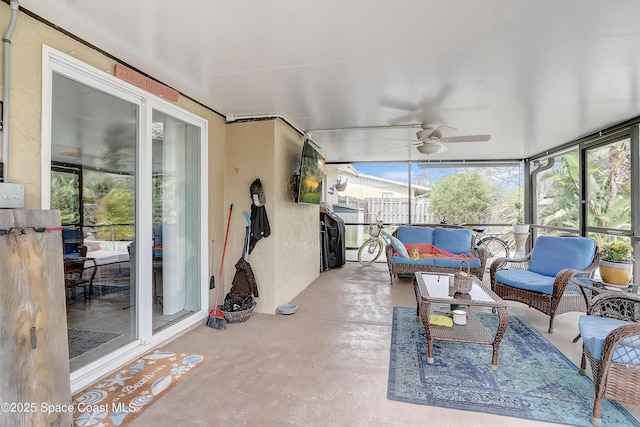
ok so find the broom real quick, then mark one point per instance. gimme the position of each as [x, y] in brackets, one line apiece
[216, 317]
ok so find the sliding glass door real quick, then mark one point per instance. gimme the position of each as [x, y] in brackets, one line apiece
[128, 173]
[93, 144]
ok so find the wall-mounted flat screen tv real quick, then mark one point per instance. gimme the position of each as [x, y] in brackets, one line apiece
[311, 174]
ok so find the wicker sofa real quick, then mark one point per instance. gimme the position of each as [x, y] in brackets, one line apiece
[454, 239]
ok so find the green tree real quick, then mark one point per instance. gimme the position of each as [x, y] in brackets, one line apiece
[117, 207]
[608, 190]
[463, 197]
[65, 197]
[559, 205]
[504, 211]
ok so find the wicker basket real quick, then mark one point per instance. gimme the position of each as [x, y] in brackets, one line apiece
[463, 281]
[237, 316]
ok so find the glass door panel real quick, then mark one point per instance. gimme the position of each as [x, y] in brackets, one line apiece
[608, 192]
[176, 219]
[93, 153]
[608, 186]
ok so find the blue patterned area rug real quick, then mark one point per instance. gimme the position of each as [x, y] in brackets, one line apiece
[81, 341]
[534, 379]
[101, 291]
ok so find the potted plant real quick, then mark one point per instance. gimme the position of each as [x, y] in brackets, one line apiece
[616, 264]
[520, 227]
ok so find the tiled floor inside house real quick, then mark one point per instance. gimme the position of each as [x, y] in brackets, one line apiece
[326, 365]
[108, 316]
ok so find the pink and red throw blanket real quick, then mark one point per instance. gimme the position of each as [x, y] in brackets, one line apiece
[427, 250]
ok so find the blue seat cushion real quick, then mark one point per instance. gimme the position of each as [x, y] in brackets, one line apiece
[594, 330]
[421, 261]
[438, 262]
[525, 279]
[551, 254]
[453, 240]
[455, 263]
[411, 234]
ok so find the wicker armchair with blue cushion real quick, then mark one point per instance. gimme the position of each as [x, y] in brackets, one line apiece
[611, 342]
[541, 279]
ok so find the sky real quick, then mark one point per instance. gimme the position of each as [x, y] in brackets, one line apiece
[398, 171]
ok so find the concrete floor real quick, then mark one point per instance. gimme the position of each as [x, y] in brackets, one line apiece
[326, 365]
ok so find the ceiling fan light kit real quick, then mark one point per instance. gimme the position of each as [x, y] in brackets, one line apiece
[429, 148]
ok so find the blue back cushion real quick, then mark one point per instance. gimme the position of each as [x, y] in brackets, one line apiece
[157, 242]
[453, 240]
[551, 254]
[411, 234]
[72, 240]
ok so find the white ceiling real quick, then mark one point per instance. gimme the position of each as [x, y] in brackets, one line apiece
[533, 74]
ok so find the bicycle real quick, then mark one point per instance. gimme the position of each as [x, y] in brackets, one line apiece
[373, 247]
[494, 245]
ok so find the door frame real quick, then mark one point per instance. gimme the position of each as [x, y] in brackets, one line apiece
[63, 64]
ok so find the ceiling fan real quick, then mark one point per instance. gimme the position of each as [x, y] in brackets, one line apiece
[432, 137]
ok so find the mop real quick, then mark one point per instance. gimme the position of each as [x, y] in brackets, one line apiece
[216, 317]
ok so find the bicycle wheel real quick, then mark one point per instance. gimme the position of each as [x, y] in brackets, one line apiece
[370, 251]
[495, 247]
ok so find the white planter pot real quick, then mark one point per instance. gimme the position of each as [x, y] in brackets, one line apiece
[521, 228]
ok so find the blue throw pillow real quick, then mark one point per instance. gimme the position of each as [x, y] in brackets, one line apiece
[399, 247]
[552, 253]
[413, 234]
[453, 240]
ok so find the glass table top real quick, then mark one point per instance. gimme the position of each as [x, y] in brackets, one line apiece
[439, 288]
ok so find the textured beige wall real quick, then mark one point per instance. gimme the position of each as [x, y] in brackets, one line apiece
[288, 260]
[297, 254]
[250, 155]
[26, 110]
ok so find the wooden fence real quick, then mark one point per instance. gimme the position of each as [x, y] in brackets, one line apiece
[392, 210]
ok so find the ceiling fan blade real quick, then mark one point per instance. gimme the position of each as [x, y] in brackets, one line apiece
[443, 130]
[400, 104]
[405, 118]
[430, 130]
[442, 94]
[413, 144]
[397, 148]
[468, 138]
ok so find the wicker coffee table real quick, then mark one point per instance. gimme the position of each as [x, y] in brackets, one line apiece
[435, 295]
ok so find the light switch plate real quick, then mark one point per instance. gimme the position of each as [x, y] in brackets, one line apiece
[11, 195]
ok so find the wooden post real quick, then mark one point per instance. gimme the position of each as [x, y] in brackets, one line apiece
[34, 353]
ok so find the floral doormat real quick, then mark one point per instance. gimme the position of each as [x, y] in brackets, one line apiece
[119, 397]
[534, 379]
